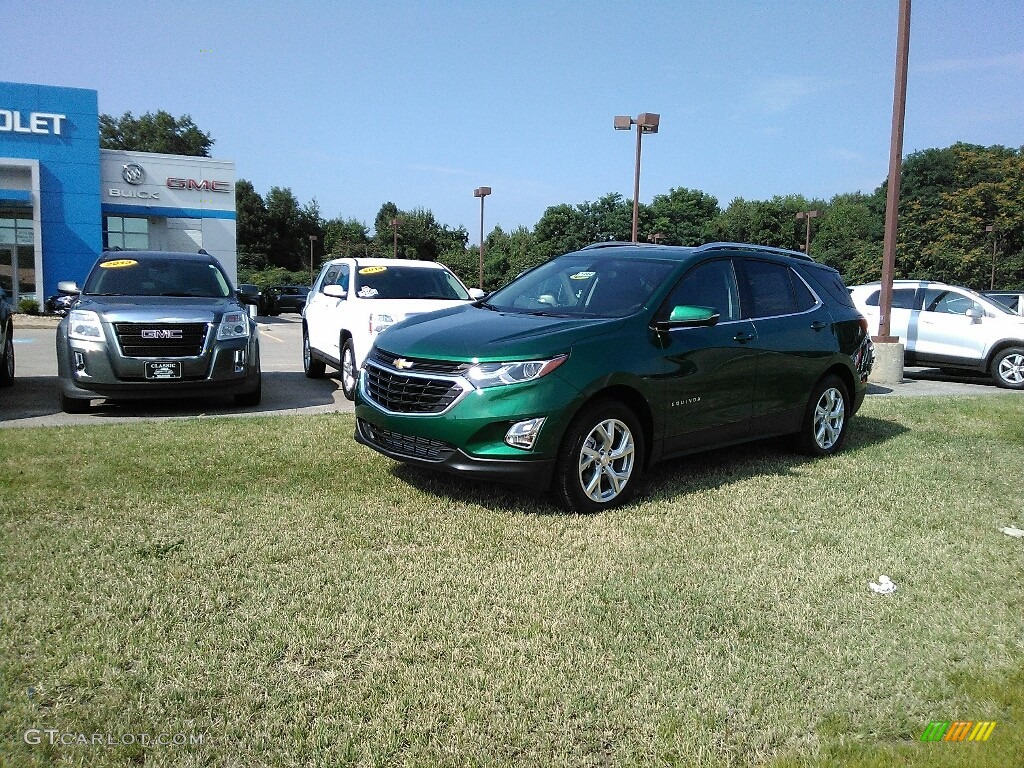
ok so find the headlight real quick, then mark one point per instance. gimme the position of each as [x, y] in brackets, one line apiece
[85, 326]
[234, 325]
[484, 375]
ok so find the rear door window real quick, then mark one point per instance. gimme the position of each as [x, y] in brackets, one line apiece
[772, 289]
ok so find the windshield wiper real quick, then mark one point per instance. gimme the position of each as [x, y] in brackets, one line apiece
[486, 305]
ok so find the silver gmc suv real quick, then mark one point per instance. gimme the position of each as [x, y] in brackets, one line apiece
[155, 325]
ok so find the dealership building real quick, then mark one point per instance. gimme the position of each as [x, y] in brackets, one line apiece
[63, 200]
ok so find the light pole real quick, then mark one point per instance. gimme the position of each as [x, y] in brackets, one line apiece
[646, 122]
[312, 239]
[807, 237]
[992, 228]
[481, 192]
[394, 227]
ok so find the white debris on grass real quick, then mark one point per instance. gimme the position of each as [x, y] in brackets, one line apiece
[885, 585]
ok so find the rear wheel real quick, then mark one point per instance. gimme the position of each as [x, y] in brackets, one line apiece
[601, 458]
[349, 372]
[7, 363]
[825, 421]
[1008, 368]
[314, 369]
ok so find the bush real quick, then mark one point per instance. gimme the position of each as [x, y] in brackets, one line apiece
[28, 306]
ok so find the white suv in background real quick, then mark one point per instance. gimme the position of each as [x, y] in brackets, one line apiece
[353, 300]
[950, 327]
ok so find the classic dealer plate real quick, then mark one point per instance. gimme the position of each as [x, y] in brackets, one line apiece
[159, 370]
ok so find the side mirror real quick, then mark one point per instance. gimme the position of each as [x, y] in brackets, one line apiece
[68, 287]
[476, 294]
[685, 316]
[248, 293]
[335, 291]
[975, 314]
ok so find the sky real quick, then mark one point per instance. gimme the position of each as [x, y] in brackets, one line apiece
[419, 103]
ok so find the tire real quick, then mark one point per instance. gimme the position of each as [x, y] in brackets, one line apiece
[1008, 368]
[349, 372]
[73, 404]
[314, 369]
[7, 363]
[601, 458]
[250, 399]
[826, 419]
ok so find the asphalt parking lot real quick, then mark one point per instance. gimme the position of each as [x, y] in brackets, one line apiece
[32, 401]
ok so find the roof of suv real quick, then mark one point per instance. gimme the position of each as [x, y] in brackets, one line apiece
[681, 251]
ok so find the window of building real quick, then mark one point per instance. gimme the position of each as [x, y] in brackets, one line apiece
[126, 232]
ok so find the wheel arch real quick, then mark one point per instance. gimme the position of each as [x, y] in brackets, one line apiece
[998, 348]
[633, 400]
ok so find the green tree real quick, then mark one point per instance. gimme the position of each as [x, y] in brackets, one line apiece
[160, 132]
[251, 227]
[346, 237]
[682, 216]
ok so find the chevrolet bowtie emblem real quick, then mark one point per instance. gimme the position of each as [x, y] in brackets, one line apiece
[401, 363]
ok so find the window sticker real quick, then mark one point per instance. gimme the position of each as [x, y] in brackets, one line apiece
[372, 270]
[582, 275]
[366, 292]
[118, 263]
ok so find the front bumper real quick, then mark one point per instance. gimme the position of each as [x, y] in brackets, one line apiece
[88, 369]
[468, 437]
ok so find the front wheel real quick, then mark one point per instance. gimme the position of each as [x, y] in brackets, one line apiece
[7, 364]
[314, 369]
[1008, 368]
[74, 404]
[823, 431]
[601, 458]
[349, 372]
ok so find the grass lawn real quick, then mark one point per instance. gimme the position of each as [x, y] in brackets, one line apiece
[282, 596]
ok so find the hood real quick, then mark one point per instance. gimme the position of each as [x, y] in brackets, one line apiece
[469, 333]
[151, 309]
[399, 309]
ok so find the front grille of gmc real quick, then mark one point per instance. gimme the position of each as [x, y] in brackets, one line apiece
[163, 340]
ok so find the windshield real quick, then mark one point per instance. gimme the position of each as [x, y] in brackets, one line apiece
[406, 282]
[584, 285]
[157, 277]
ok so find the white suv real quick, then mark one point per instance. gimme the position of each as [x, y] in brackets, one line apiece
[950, 327]
[353, 300]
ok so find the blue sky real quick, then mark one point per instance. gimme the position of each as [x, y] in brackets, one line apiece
[357, 103]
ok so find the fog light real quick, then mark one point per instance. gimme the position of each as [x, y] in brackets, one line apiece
[239, 361]
[79, 361]
[523, 434]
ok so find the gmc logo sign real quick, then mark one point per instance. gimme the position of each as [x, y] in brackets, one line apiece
[203, 186]
[161, 333]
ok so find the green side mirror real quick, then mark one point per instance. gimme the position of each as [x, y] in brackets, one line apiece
[693, 315]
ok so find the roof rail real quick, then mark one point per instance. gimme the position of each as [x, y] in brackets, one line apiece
[616, 244]
[757, 248]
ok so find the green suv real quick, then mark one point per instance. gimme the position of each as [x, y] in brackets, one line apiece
[589, 368]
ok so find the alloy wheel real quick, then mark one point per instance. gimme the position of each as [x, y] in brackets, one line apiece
[606, 460]
[829, 417]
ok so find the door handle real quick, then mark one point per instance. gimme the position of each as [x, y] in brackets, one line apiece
[743, 337]
[817, 325]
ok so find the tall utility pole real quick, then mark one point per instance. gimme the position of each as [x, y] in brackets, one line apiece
[394, 227]
[481, 192]
[646, 122]
[992, 228]
[892, 200]
[807, 237]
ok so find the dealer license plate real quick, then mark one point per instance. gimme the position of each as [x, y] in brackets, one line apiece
[161, 371]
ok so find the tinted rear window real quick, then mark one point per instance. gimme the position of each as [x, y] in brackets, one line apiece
[831, 283]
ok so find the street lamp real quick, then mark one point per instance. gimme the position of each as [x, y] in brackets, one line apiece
[992, 228]
[481, 192]
[807, 238]
[646, 122]
[394, 227]
[312, 239]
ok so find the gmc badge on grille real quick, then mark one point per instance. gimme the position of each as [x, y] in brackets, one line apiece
[161, 333]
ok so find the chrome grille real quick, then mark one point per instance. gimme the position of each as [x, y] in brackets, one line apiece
[418, 364]
[405, 445]
[162, 340]
[399, 393]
